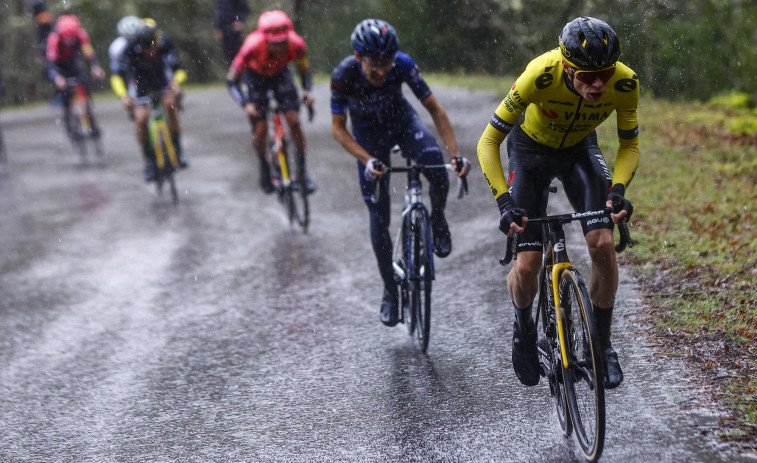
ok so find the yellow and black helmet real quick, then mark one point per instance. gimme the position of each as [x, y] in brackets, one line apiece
[589, 44]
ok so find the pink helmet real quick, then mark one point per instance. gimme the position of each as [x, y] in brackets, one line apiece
[67, 26]
[275, 25]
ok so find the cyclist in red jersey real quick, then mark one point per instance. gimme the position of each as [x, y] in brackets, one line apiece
[64, 44]
[263, 60]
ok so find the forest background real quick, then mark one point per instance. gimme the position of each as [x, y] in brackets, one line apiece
[692, 49]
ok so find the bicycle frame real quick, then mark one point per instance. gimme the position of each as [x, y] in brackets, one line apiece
[413, 205]
[289, 181]
[166, 159]
[159, 135]
[559, 263]
[80, 107]
[279, 147]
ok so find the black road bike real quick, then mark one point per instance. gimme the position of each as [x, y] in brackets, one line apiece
[80, 128]
[166, 158]
[569, 353]
[413, 256]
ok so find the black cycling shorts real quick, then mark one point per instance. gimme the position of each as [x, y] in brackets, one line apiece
[282, 86]
[581, 169]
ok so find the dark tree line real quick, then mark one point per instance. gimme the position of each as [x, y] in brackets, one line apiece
[680, 48]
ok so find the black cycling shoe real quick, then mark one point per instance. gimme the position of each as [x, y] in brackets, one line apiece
[613, 373]
[389, 309]
[442, 237]
[525, 354]
[265, 181]
[151, 170]
[310, 185]
[183, 163]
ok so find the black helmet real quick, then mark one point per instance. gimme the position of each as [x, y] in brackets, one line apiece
[589, 44]
[375, 38]
[146, 34]
[37, 7]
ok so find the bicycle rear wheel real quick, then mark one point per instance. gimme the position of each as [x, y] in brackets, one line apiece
[583, 378]
[550, 359]
[422, 278]
[300, 207]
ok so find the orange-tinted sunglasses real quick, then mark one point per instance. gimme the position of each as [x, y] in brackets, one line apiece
[589, 77]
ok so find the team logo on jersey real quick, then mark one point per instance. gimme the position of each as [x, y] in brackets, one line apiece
[544, 81]
[550, 113]
[625, 85]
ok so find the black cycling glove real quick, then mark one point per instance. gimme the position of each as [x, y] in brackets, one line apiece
[509, 212]
[620, 203]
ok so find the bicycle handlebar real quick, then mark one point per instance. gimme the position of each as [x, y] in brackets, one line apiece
[512, 242]
[462, 189]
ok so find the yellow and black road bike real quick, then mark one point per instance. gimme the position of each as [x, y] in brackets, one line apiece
[568, 348]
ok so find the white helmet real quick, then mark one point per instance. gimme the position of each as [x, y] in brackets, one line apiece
[128, 25]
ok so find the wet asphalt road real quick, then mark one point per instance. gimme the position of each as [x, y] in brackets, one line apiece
[132, 330]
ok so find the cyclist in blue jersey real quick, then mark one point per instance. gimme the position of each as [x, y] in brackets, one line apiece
[368, 86]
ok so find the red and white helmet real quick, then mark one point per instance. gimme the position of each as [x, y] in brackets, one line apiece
[67, 26]
[275, 25]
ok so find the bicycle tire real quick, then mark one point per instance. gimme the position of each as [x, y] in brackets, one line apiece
[300, 204]
[584, 385]
[549, 353]
[3, 152]
[166, 173]
[403, 280]
[77, 134]
[422, 281]
[296, 198]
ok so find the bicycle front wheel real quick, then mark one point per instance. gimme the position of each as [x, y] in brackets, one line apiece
[422, 278]
[402, 259]
[583, 378]
[550, 359]
[299, 207]
[166, 173]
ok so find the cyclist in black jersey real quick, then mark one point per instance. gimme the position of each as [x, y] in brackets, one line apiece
[549, 117]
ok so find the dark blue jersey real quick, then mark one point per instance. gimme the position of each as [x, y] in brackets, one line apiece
[352, 92]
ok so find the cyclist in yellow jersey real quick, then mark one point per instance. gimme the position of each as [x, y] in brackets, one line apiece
[548, 118]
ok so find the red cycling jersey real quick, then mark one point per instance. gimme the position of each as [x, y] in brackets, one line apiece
[254, 55]
[60, 50]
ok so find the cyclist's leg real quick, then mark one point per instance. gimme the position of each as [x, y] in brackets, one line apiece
[93, 125]
[141, 117]
[65, 98]
[418, 143]
[587, 188]
[380, 219]
[168, 99]
[285, 92]
[529, 176]
[586, 185]
[530, 172]
[257, 88]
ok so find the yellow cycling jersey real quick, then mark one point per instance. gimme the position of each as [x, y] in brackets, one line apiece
[558, 117]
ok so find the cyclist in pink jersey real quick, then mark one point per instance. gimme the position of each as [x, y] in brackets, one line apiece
[263, 61]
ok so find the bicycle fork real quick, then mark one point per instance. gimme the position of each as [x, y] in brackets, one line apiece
[560, 263]
[158, 127]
